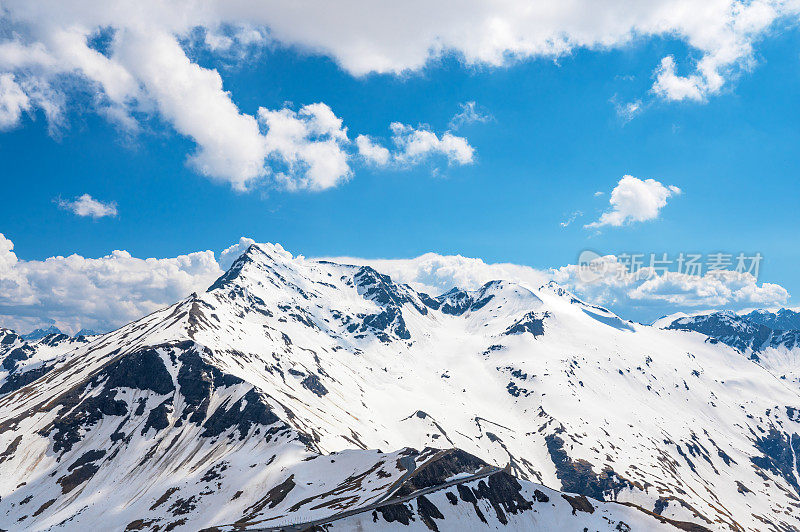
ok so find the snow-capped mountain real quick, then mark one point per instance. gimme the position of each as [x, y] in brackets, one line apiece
[296, 390]
[782, 319]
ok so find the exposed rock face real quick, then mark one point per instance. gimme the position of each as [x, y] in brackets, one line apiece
[502, 502]
[440, 468]
[532, 322]
[579, 476]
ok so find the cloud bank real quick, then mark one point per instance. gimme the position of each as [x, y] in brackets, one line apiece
[76, 292]
[647, 294]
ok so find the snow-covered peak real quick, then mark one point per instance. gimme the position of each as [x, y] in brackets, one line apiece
[668, 319]
[556, 296]
[552, 287]
[268, 251]
[491, 297]
[261, 264]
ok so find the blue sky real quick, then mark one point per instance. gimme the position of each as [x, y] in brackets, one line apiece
[552, 138]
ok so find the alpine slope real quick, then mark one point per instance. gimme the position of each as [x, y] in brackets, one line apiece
[298, 393]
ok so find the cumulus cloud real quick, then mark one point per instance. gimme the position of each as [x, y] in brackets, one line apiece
[48, 52]
[673, 87]
[415, 144]
[192, 99]
[727, 47]
[76, 292]
[309, 144]
[647, 292]
[86, 205]
[635, 200]
[364, 37]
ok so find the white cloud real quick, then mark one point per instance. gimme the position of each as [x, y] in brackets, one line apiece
[234, 42]
[469, 113]
[415, 144]
[627, 111]
[309, 144]
[75, 292]
[673, 87]
[372, 152]
[192, 99]
[724, 288]
[367, 37]
[635, 200]
[217, 42]
[86, 205]
[145, 70]
[13, 102]
[230, 254]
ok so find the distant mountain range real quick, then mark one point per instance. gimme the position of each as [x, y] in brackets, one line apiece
[38, 334]
[296, 393]
[749, 333]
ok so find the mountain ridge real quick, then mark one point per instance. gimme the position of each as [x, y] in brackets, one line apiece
[285, 362]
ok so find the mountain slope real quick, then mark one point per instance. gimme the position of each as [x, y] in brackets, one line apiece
[761, 335]
[267, 397]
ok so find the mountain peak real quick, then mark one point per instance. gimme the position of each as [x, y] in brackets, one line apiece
[41, 333]
[269, 250]
[262, 256]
